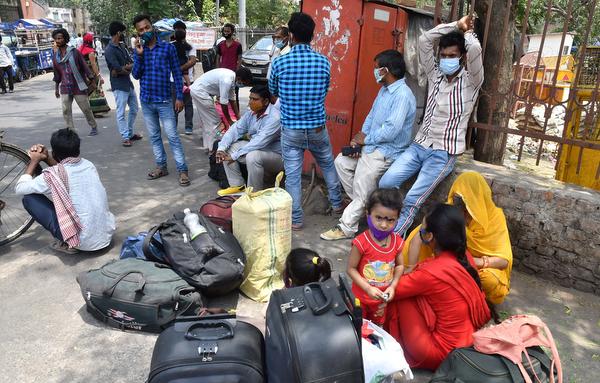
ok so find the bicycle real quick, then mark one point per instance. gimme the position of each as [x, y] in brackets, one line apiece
[14, 219]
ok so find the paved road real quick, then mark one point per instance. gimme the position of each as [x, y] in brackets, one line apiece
[47, 336]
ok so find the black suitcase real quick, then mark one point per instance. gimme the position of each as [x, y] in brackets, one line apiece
[313, 334]
[215, 349]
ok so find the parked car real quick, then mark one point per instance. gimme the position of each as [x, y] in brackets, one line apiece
[258, 58]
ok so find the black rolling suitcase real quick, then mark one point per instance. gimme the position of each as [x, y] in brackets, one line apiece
[214, 349]
[313, 334]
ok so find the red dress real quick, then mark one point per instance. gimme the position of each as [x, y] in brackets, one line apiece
[229, 54]
[437, 308]
[377, 267]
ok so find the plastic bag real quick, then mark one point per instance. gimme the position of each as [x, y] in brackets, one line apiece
[384, 359]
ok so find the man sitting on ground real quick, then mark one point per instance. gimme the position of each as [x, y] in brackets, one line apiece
[253, 140]
[68, 198]
[386, 133]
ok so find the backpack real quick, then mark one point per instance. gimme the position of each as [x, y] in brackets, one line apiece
[216, 171]
[140, 248]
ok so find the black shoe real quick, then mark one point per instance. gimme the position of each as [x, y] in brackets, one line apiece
[3, 91]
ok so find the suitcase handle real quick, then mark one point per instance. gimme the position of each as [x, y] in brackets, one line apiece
[312, 301]
[210, 324]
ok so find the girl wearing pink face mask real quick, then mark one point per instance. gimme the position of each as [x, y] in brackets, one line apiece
[375, 263]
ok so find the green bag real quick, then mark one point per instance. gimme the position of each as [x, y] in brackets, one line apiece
[137, 295]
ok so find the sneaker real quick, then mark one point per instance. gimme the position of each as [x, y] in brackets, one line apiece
[93, 132]
[184, 179]
[231, 190]
[126, 143]
[188, 132]
[334, 234]
[63, 247]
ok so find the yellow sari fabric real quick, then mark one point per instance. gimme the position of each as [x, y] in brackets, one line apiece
[487, 233]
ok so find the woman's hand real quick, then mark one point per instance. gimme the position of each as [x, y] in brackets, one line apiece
[374, 293]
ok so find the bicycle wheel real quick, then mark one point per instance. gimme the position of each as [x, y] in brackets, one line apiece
[14, 219]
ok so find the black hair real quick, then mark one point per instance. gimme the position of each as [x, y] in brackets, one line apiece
[229, 25]
[389, 198]
[116, 27]
[302, 26]
[393, 61]
[139, 18]
[447, 223]
[262, 91]
[179, 25]
[283, 29]
[61, 31]
[79, 35]
[64, 143]
[453, 39]
[304, 266]
[244, 74]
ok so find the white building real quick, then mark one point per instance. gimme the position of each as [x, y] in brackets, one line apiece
[552, 44]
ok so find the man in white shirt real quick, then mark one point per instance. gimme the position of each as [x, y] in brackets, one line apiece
[219, 82]
[281, 45]
[6, 64]
[68, 198]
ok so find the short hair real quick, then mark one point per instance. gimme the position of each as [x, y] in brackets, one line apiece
[283, 29]
[453, 39]
[262, 91]
[389, 198]
[61, 31]
[179, 25]
[229, 25]
[302, 26]
[393, 61]
[139, 18]
[244, 74]
[116, 27]
[64, 143]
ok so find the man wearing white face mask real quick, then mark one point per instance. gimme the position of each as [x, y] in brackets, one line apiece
[454, 84]
[385, 134]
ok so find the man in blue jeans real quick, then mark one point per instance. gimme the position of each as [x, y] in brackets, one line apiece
[454, 84]
[300, 79]
[154, 62]
[119, 65]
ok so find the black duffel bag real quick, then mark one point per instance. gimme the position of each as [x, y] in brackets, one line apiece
[137, 295]
[213, 262]
[467, 365]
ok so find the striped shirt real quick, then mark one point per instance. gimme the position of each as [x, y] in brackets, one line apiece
[301, 79]
[388, 126]
[449, 104]
[154, 69]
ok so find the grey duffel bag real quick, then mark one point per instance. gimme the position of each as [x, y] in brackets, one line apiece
[137, 295]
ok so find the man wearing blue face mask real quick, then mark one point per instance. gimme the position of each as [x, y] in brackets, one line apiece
[281, 45]
[455, 77]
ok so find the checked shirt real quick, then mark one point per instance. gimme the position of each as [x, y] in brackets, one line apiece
[154, 69]
[301, 79]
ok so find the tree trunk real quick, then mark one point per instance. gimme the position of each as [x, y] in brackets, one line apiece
[198, 7]
[494, 101]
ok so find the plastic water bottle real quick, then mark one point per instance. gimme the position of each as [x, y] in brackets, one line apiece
[192, 222]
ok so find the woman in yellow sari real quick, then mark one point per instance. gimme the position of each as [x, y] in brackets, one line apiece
[487, 236]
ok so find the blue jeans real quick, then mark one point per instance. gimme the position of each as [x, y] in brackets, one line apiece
[43, 212]
[123, 99]
[154, 114]
[293, 144]
[432, 165]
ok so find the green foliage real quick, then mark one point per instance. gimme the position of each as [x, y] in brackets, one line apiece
[261, 13]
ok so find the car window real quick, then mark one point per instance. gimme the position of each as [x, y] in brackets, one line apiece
[264, 44]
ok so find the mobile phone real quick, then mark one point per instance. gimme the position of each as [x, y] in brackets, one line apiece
[350, 150]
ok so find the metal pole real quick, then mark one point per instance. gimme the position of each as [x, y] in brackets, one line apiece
[242, 22]
[217, 23]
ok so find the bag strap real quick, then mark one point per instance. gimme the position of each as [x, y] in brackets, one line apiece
[541, 356]
[146, 244]
[515, 373]
[140, 287]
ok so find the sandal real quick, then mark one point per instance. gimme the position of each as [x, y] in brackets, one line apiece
[63, 247]
[136, 137]
[157, 173]
[184, 179]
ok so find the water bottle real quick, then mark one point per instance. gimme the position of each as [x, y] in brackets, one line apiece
[192, 222]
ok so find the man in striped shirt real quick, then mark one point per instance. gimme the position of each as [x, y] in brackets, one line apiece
[301, 79]
[385, 134]
[454, 84]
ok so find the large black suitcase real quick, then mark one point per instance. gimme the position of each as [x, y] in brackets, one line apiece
[313, 334]
[215, 349]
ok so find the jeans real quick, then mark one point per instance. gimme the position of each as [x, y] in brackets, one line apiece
[154, 114]
[432, 165]
[123, 99]
[43, 212]
[188, 110]
[293, 144]
[9, 72]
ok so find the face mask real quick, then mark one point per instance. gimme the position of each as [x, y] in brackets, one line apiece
[378, 77]
[379, 235]
[179, 35]
[279, 44]
[240, 84]
[450, 66]
[147, 36]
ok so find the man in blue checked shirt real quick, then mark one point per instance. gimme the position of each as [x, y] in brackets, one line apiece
[385, 134]
[154, 62]
[300, 80]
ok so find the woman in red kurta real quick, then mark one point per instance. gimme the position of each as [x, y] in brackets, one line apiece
[439, 305]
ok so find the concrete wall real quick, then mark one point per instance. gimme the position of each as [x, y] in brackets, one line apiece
[554, 226]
